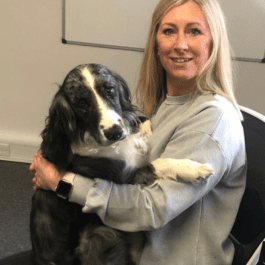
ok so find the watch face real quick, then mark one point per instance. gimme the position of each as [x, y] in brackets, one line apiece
[63, 190]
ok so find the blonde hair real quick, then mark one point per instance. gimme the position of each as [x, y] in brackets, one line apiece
[216, 76]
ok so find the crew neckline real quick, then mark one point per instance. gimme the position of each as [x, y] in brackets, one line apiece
[178, 100]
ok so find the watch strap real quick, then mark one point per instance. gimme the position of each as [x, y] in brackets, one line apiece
[69, 177]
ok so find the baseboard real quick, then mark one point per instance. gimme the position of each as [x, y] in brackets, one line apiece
[18, 147]
[20, 153]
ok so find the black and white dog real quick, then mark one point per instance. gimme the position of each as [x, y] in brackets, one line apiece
[93, 130]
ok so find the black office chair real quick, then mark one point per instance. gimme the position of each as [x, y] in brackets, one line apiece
[249, 228]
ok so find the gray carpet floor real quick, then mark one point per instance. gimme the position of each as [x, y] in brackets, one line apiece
[15, 203]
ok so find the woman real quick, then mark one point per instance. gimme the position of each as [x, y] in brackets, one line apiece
[185, 87]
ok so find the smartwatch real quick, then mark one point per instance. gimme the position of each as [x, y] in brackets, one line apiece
[65, 186]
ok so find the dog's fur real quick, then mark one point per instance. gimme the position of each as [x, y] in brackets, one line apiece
[93, 130]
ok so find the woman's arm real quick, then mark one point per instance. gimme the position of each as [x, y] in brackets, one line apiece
[133, 207]
[136, 208]
[212, 137]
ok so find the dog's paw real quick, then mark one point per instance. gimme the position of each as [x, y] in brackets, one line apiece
[195, 171]
[146, 128]
[181, 169]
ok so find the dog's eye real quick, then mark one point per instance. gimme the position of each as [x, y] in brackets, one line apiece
[82, 103]
[110, 91]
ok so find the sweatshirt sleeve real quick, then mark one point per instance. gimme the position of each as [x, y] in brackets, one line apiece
[136, 208]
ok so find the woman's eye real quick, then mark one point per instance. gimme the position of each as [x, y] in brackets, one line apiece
[195, 32]
[168, 32]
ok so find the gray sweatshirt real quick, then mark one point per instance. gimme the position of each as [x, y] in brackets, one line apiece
[185, 223]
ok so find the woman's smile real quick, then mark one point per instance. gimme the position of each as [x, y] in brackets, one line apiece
[181, 60]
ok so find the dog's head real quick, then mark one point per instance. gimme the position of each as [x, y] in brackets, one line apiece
[92, 105]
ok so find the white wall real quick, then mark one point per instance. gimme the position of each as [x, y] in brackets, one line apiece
[33, 60]
[250, 85]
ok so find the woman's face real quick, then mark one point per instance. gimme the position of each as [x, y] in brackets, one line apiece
[184, 42]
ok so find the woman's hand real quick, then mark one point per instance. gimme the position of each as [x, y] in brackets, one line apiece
[46, 175]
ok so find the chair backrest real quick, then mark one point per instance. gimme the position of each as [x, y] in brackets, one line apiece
[249, 227]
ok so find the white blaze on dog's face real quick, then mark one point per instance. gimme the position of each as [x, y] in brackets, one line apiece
[111, 126]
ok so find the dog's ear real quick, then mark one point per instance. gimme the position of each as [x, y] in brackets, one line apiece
[124, 91]
[129, 110]
[58, 132]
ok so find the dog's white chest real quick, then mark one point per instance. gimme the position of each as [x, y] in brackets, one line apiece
[133, 150]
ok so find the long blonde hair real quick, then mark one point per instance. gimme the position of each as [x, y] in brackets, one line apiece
[216, 76]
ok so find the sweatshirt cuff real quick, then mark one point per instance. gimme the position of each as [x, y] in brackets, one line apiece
[81, 187]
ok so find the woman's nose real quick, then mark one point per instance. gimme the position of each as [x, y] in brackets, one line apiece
[181, 43]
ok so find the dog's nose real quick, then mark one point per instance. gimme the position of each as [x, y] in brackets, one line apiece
[115, 133]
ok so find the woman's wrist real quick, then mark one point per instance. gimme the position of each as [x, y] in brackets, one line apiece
[68, 177]
[46, 175]
[65, 185]
[55, 181]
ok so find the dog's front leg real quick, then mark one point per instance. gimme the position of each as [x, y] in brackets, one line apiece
[181, 169]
